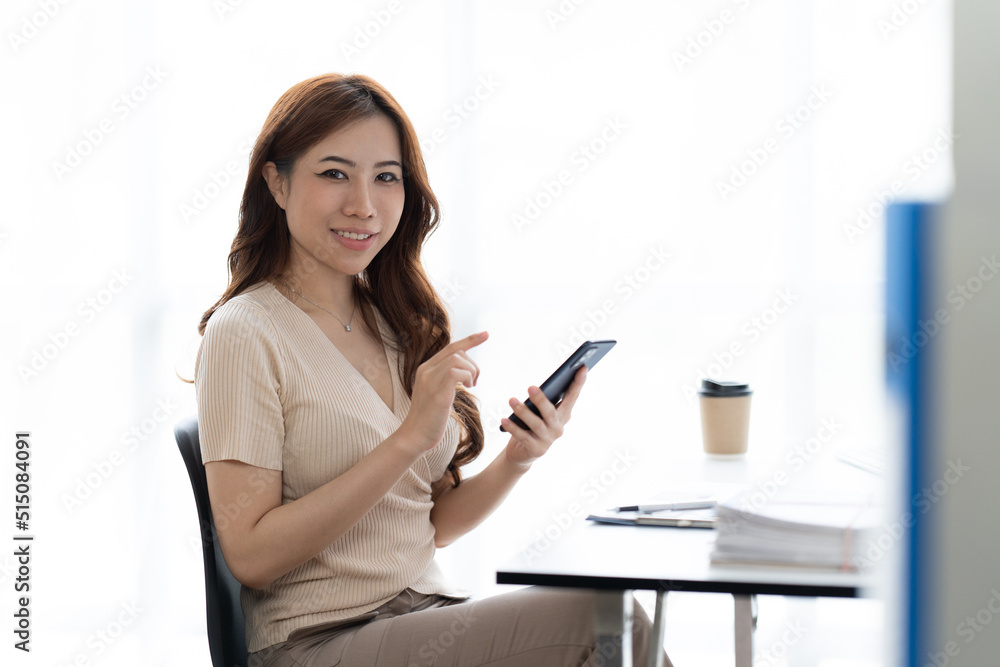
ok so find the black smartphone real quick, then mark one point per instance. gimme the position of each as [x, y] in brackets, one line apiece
[556, 385]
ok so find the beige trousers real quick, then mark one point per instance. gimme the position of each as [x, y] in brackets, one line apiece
[543, 627]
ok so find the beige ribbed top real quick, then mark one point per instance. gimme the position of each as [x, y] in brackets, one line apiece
[274, 392]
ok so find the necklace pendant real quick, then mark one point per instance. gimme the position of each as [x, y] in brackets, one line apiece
[347, 327]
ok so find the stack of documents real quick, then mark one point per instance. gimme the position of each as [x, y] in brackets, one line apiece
[809, 529]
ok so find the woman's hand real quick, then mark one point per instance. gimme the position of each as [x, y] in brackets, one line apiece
[525, 447]
[434, 390]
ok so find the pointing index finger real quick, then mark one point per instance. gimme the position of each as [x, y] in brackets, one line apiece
[469, 342]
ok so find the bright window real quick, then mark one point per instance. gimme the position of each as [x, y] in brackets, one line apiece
[703, 182]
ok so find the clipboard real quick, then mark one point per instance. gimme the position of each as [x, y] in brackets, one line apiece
[703, 518]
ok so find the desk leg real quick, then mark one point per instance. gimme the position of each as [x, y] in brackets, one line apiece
[746, 623]
[613, 627]
[659, 631]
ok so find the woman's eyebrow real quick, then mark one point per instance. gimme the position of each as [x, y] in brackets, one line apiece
[352, 163]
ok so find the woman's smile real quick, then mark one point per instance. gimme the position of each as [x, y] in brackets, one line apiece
[355, 239]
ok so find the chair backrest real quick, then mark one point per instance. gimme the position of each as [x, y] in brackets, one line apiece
[226, 638]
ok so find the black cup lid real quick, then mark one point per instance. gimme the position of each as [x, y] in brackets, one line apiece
[719, 388]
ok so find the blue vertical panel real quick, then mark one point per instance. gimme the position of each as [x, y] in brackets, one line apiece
[910, 346]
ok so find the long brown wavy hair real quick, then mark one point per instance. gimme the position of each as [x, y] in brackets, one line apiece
[394, 282]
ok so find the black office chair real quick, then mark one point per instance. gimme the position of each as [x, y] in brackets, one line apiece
[226, 638]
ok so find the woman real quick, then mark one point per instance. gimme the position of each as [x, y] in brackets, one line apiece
[335, 414]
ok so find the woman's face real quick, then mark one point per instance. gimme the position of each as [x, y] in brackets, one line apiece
[343, 198]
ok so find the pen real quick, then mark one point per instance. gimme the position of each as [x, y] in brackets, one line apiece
[686, 505]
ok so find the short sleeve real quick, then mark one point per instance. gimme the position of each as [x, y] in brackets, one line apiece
[239, 381]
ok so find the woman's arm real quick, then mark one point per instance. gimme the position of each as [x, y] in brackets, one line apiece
[262, 539]
[458, 510]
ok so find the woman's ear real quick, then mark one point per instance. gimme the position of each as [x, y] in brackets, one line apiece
[276, 183]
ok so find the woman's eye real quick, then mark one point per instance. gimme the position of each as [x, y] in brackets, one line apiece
[388, 177]
[334, 173]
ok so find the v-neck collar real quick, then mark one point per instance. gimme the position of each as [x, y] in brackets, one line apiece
[393, 371]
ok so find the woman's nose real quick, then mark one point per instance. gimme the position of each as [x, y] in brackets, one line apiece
[360, 202]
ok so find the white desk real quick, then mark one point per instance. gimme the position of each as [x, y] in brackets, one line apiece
[620, 559]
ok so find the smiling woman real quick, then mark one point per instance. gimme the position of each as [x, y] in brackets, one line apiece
[343, 200]
[341, 439]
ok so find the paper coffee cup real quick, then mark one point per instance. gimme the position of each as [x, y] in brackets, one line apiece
[725, 417]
